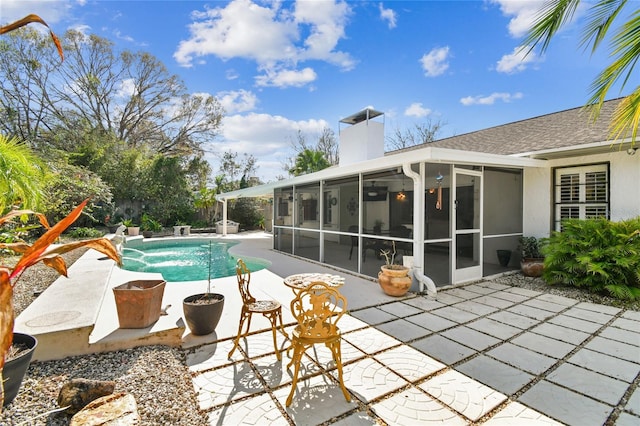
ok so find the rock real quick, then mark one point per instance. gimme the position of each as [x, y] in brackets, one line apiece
[77, 393]
[116, 409]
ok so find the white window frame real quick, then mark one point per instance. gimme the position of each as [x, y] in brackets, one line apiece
[577, 192]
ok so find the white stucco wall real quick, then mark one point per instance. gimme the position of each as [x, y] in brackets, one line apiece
[624, 183]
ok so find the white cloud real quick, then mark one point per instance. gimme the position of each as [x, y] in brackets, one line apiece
[435, 62]
[271, 36]
[266, 137]
[388, 15]
[417, 110]
[491, 99]
[286, 78]
[126, 89]
[51, 11]
[515, 61]
[522, 13]
[237, 101]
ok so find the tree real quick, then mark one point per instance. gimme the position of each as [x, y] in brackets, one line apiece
[309, 161]
[326, 144]
[233, 169]
[131, 95]
[67, 186]
[21, 175]
[624, 48]
[421, 133]
[167, 195]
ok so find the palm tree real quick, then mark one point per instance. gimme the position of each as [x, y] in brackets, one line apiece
[624, 46]
[309, 161]
[21, 175]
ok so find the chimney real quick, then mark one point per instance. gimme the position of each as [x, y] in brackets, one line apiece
[363, 139]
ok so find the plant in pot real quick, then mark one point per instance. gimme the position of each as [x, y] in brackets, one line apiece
[532, 259]
[132, 228]
[393, 279]
[149, 225]
[202, 311]
[15, 358]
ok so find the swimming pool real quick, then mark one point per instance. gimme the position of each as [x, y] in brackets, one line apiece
[184, 259]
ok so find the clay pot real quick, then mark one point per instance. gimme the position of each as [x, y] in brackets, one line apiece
[532, 267]
[394, 280]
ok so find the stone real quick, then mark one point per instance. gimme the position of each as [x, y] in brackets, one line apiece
[77, 393]
[119, 408]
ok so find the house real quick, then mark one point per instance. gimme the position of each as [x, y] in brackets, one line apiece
[449, 206]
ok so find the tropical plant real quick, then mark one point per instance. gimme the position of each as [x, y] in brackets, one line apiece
[42, 250]
[531, 247]
[148, 223]
[597, 254]
[624, 47]
[84, 232]
[309, 161]
[21, 175]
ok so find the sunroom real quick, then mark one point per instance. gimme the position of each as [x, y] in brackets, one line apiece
[453, 216]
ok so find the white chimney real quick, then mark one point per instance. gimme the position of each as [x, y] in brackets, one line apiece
[363, 139]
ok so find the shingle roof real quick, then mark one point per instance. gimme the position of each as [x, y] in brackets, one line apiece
[557, 130]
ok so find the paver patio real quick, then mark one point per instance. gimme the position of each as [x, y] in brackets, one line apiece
[449, 361]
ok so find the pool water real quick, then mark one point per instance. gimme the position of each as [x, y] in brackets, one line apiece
[185, 260]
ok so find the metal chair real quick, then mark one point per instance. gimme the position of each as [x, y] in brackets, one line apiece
[271, 309]
[317, 310]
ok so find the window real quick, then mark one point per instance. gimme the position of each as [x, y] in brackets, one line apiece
[581, 193]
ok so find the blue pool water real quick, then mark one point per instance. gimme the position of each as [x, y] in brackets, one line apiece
[185, 260]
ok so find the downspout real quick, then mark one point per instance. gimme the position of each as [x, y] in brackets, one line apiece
[418, 230]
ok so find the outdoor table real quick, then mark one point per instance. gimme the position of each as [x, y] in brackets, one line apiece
[298, 282]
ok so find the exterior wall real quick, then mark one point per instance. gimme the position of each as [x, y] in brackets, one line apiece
[537, 202]
[361, 142]
[624, 183]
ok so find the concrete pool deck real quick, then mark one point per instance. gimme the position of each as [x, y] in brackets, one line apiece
[484, 353]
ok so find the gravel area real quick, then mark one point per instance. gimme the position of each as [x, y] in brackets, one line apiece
[156, 375]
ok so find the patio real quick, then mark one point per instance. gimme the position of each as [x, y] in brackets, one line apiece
[485, 353]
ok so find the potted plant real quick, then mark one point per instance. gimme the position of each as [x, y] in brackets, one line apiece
[202, 311]
[532, 259]
[393, 279]
[149, 225]
[13, 367]
[132, 229]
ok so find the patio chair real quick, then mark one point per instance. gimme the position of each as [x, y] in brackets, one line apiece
[270, 309]
[317, 310]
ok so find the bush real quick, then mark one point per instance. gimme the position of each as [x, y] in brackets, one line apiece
[246, 212]
[597, 254]
[86, 233]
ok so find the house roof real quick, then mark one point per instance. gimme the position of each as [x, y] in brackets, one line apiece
[569, 128]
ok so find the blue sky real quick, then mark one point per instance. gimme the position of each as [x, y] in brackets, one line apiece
[283, 66]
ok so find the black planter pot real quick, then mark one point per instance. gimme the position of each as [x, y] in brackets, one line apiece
[504, 256]
[203, 317]
[14, 370]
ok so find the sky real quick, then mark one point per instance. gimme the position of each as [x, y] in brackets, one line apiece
[283, 67]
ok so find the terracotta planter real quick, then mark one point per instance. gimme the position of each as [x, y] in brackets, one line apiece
[394, 280]
[203, 313]
[133, 231]
[532, 267]
[139, 302]
[15, 369]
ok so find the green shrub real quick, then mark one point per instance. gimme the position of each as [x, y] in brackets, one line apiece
[597, 254]
[86, 233]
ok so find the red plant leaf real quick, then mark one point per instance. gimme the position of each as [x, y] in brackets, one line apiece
[31, 19]
[17, 247]
[6, 314]
[13, 213]
[57, 263]
[32, 255]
